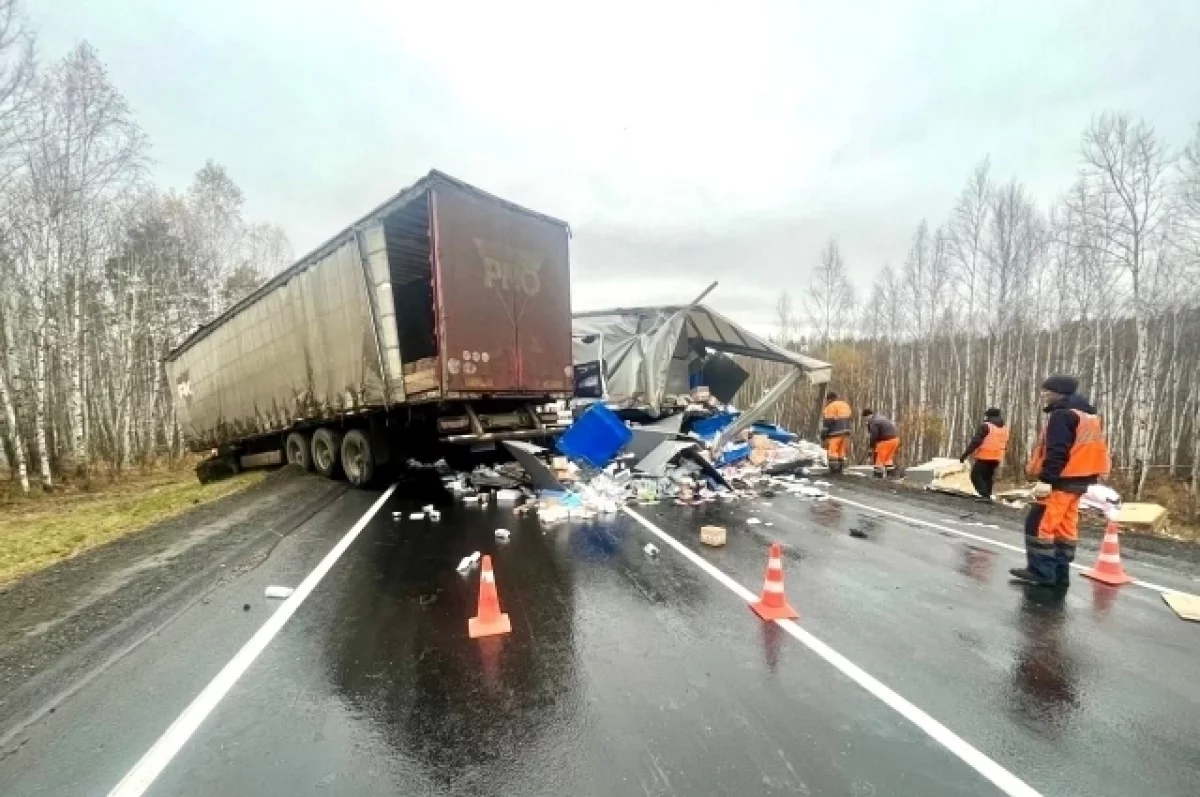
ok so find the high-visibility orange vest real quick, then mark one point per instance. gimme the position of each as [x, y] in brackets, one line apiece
[837, 418]
[994, 445]
[1088, 455]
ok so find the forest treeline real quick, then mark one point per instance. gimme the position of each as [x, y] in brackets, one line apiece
[1101, 283]
[101, 271]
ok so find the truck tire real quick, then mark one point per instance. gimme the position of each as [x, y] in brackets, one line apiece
[327, 452]
[358, 461]
[298, 450]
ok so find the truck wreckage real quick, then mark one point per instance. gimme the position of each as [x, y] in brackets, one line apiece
[650, 361]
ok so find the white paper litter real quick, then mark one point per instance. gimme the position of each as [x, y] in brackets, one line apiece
[552, 514]
[650, 549]
[508, 496]
[397, 515]
[468, 562]
[470, 499]
[279, 592]
[753, 521]
[417, 516]
[503, 534]
[435, 515]
[427, 508]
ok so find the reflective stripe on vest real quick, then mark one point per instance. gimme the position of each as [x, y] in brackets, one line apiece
[994, 445]
[1088, 455]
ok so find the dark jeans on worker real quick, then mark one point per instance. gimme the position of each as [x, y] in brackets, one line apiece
[983, 476]
[1049, 561]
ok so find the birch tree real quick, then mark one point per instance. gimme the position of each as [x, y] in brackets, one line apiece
[101, 274]
[1129, 164]
[830, 297]
[16, 81]
[1103, 283]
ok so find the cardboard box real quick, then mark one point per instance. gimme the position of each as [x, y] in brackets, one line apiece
[712, 535]
[1144, 518]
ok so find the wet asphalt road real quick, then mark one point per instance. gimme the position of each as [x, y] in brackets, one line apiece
[627, 674]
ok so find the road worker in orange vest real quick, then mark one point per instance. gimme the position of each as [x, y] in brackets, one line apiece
[884, 442]
[987, 447]
[1070, 456]
[835, 432]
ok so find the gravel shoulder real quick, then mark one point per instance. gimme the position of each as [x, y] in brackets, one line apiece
[63, 624]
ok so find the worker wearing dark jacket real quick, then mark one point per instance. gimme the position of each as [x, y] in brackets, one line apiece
[835, 432]
[988, 447]
[1070, 456]
[884, 441]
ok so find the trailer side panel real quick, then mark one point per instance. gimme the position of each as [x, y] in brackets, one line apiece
[306, 350]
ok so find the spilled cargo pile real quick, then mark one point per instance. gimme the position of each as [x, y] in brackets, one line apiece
[602, 464]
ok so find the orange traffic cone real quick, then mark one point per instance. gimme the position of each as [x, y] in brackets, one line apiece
[490, 621]
[1108, 567]
[773, 605]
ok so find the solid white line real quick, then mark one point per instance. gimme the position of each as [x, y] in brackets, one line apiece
[1003, 779]
[986, 540]
[151, 765]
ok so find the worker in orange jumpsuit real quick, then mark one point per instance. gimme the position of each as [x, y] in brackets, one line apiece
[988, 447]
[1070, 456]
[835, 432]
[884, 441]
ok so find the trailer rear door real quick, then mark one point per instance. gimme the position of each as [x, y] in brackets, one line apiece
[502, 283]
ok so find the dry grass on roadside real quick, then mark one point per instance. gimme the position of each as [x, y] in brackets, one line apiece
[38, 531]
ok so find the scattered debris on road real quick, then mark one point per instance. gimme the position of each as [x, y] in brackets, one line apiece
[468, 562]
[650, 549]
[712, 535]
[279, 593]
[503, 535]
[1184, 605]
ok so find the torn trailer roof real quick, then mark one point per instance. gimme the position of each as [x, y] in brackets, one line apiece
[636, 357]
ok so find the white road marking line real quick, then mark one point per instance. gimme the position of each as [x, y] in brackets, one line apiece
[156, 759]
[1007, 782]
[987, 540]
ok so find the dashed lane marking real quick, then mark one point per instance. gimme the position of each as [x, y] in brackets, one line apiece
[156, 759]
[1004, 780]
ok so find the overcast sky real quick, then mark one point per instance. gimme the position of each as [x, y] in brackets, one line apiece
[683, 142]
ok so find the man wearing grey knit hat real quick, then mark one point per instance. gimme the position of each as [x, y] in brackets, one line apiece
[1070, 456]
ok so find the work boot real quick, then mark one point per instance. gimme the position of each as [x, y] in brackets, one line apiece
[1029, 577]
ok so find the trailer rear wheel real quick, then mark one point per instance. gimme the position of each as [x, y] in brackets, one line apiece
[358, 461]
[299, 450]
[327, 452]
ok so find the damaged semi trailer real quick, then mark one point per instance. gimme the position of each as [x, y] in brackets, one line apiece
[438, 323]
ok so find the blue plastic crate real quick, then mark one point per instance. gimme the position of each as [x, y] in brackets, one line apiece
[774, 432]
[596, 437]
[710, 427]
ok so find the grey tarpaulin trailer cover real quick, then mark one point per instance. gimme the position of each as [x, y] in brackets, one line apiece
[641, 355]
